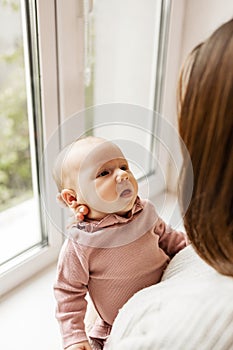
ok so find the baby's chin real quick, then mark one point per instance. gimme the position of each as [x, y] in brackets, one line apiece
[126, 206]
[120, 207]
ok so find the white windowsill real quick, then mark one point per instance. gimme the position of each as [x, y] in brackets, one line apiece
[27, 318]
[27, 314]
[20, 229]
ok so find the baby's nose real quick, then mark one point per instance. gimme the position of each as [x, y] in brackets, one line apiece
[121, 176]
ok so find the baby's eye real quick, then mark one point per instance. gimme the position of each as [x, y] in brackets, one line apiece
[124, 167]
[103, 173]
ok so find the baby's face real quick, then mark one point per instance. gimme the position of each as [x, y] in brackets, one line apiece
[104, 181]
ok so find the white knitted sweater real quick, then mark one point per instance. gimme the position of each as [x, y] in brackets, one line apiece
[191, 309]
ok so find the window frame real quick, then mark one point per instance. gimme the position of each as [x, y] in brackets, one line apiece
[158, 107]
[30, 262]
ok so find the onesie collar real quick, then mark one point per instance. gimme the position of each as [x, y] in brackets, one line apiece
[111, 219]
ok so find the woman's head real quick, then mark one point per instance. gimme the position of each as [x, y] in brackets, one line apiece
[205, 111]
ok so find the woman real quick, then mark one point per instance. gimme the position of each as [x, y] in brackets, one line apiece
[192, 307]
[206, 127]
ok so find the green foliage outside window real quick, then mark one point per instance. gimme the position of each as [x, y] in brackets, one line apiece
[15, 164]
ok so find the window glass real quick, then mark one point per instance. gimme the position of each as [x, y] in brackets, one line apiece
[123, 55]
[19, 138]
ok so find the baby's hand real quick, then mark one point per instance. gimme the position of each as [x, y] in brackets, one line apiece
[80, 346]
[80, 211]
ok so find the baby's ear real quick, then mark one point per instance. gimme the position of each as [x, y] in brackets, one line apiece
[69, 197]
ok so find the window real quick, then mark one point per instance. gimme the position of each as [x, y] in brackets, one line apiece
[124, 68]
[24, 229]
[18, 164]
[124, 58]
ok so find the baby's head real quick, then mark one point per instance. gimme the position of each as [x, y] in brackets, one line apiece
[94, 172]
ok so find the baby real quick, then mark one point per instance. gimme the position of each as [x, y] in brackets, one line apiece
[116, 245]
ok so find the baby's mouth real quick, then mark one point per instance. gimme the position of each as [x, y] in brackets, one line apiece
[126, 193]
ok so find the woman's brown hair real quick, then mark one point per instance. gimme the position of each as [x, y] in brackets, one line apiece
[205, 114]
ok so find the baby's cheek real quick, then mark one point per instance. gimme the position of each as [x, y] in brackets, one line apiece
[106, 192]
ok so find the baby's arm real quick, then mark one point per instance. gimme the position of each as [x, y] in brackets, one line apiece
[170, 240]
[70, 290]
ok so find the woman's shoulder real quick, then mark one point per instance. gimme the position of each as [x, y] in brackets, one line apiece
[190, 308]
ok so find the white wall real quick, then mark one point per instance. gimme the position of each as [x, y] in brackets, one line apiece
[202, 17]
[192, 21]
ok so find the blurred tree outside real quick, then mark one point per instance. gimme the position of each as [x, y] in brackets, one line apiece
[15, 162]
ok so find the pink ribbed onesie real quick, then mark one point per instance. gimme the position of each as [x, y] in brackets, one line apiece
[111, 260]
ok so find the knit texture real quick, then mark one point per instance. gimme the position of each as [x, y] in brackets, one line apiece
[190, 309]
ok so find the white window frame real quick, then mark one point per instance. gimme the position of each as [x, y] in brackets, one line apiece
[32, 261]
